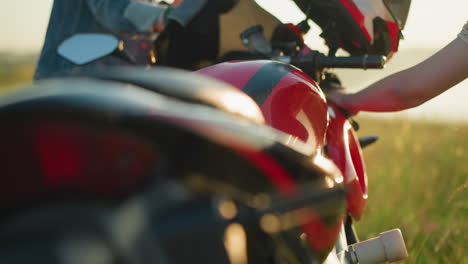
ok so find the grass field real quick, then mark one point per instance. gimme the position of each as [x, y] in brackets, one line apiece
[15, 70]
[418, 177]
[418, 181]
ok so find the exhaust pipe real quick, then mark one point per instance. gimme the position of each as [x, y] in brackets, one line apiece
[389, 246]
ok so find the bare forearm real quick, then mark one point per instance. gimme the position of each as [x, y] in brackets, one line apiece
[413, 86]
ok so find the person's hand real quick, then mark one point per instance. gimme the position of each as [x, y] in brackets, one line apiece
[341, 99]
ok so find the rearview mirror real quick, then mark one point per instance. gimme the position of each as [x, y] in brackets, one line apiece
[87, 47]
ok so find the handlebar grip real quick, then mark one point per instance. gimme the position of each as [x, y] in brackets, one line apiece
[315, 61]
[361, 62]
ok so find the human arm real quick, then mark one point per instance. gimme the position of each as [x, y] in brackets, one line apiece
[413, 86]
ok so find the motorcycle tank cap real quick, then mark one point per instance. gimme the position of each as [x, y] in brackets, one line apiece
[360, 27]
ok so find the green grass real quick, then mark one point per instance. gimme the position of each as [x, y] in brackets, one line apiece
[15, 71]
[418, 181]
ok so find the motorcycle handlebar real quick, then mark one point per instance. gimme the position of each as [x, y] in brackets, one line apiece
[362, 62]
[315, 61]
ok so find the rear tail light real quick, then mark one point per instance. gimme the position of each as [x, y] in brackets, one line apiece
[53, 157]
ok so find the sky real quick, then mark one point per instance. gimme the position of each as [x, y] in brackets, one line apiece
[432, 23]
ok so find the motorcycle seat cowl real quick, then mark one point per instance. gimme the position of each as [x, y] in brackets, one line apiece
[188, 87]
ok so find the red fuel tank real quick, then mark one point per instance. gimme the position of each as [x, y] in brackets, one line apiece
[289, 99]
[292, 103]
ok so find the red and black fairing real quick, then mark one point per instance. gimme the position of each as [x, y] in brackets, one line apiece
[292, 103]
[289, 99]
[96, 140]
[359, 27]
[344, 149]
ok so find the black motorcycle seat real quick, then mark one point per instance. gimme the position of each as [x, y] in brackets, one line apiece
[187, 86]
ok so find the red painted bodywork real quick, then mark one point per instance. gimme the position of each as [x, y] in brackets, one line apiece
[360, 18]
[47, 156]
[344, 149]
[295, 105]
[297, 93]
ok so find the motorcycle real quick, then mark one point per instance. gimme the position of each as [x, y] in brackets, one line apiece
[292, 102]
[240, 162]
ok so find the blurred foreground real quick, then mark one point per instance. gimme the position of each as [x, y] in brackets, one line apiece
[418, 177]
